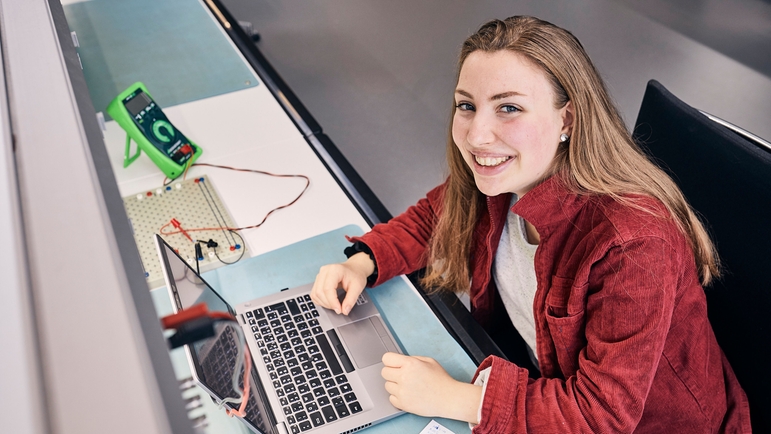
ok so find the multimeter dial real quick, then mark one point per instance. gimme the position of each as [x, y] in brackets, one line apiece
[155, 126]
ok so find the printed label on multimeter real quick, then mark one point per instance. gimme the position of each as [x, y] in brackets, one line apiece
[155, 126]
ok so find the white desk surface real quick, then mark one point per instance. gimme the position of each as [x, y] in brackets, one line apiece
[248, 129]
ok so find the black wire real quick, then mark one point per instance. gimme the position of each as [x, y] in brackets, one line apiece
[243, 250]
[212, 207]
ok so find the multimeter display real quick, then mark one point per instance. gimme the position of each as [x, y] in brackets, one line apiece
[155, 126]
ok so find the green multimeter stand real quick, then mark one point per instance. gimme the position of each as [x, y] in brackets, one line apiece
[146, 124]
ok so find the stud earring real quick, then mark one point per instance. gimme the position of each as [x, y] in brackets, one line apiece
[564, 137]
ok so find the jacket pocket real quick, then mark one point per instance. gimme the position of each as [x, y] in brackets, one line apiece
[559, 303]
[566, 318]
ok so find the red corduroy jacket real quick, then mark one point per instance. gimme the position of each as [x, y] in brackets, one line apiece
[623, 339]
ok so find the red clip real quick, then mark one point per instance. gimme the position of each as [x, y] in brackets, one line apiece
[176, 224]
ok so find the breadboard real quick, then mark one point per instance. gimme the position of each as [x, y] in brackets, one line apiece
[196, 205]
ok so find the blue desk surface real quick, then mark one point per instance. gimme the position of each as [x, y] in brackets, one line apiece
[410, 319]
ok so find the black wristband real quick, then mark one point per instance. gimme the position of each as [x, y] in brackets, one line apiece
[359, 247]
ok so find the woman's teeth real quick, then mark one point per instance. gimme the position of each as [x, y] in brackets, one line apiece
[490, 162]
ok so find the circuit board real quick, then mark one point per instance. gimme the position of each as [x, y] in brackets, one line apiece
[195, 205]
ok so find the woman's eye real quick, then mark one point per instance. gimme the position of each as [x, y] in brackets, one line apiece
[509, 109]
[464, 106]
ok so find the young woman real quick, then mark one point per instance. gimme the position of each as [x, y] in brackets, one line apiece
[553, 221]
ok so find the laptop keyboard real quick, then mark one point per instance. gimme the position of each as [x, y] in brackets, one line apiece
[302, 361]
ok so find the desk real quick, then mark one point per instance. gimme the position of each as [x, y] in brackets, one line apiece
[414, 325]
[238, 122]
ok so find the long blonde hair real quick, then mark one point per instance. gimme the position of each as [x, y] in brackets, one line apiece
[600, 158]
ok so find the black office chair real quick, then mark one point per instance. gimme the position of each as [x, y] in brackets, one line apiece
[725, 173]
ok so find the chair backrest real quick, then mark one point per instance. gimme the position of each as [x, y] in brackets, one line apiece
[727, 180]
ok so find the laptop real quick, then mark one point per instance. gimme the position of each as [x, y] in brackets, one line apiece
[313, 370]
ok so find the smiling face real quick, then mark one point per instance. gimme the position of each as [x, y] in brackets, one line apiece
[505, 123]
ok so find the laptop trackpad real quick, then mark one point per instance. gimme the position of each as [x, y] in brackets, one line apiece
[363, 343]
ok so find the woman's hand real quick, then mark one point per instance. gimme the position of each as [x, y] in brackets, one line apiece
[350, 275]
[421, 386]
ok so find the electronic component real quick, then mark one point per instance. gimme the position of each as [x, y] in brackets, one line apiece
[146, 124]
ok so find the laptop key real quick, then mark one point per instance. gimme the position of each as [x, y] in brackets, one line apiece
[305, 426]
[326, 349]
[333, 391]
[314, 383]
[317, 419]
[278, 307]
[329, 413]
[292, 305]
[295, 429]
[345, 388]
[350, 397]
[301, 416]
[355, 407]
[342, 411]
[323, 400]
[297, 406]
[347, 363]
[303, 388]
[258, 313]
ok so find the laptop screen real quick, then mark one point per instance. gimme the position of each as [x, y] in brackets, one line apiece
[212, 360]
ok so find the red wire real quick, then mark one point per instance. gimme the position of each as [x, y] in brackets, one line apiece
[307, 184]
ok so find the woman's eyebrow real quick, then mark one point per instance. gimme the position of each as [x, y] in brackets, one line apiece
[505, 95]
[492, 98]
[464, 93]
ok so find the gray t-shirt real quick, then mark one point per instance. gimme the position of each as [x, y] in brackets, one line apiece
[514, 274]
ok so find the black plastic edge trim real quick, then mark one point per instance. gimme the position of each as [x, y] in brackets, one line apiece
[459, 322]
[260, 63]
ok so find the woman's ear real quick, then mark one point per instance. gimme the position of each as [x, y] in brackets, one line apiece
[568, 115]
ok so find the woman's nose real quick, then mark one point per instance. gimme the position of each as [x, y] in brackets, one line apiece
[480, 131]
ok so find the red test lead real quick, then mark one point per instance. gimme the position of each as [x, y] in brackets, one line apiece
[176, 224]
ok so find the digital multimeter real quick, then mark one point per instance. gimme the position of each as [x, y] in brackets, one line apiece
[146, 124]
